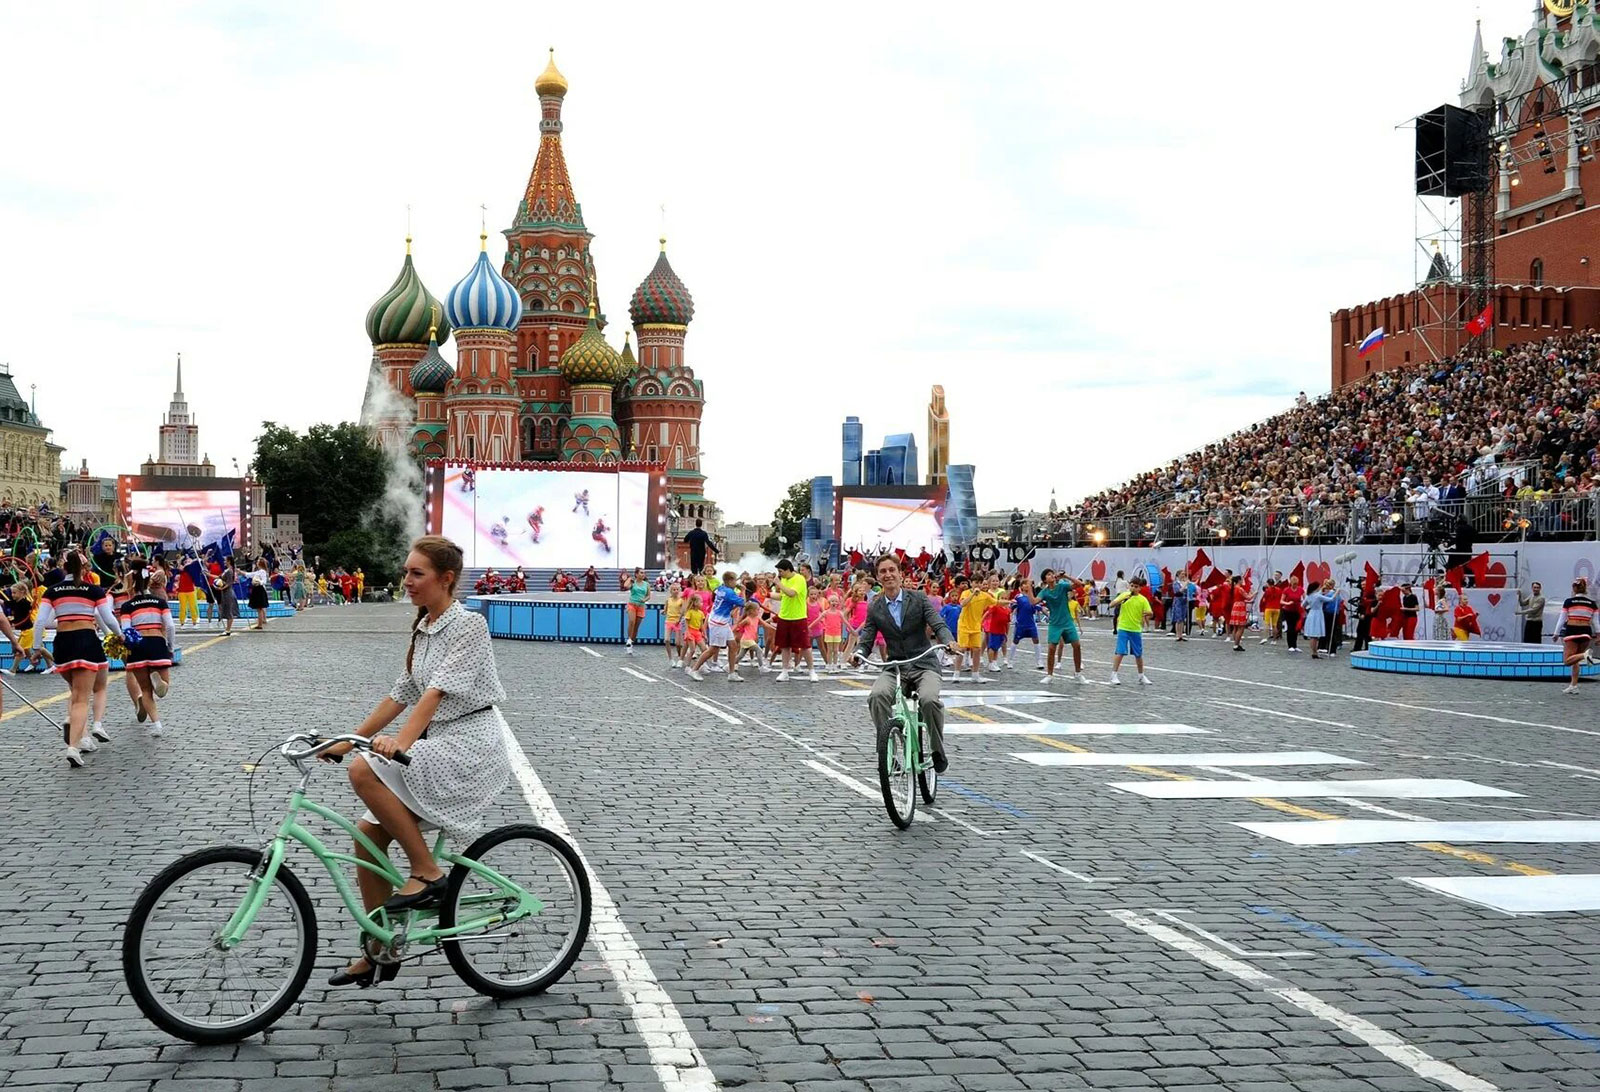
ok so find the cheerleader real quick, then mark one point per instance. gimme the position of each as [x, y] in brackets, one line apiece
[259, 578]
[121, 592]
[149, 658]
[75, 606]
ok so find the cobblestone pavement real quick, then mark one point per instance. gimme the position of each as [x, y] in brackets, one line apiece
[1040, 930]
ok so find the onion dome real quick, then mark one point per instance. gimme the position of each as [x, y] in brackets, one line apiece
[483, 298]
[402, 315]
[551, 81]
[591, 360]
[662, 297]
[432, 372]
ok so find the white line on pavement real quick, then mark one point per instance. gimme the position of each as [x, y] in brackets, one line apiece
[1173, 916]
[713, 710]
[941, 812]
[679, 1065]
[1079, 876]
[590, 651]
[847, 781]
[1388, 1044]
[640, 675]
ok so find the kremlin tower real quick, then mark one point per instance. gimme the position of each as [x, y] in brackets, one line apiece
[535, 379]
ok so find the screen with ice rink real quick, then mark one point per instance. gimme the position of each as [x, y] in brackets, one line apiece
[546, 519]
[875, 524]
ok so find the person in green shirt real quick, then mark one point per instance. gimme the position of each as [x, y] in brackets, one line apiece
[1131, 609]
[793, 636]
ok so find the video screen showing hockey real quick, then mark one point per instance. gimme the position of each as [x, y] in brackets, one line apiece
[546, 519]
[884, 523]
[183, 519]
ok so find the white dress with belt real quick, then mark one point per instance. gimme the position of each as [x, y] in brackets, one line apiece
[463, 764]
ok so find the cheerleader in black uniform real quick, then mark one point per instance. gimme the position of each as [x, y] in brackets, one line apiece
[259, 578]
[150, 657]
[76, 607]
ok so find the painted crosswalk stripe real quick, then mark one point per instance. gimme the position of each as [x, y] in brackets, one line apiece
[1178, 758]
[1347, 832]
[1398, 788]
[1519, 894]
[1057, 728]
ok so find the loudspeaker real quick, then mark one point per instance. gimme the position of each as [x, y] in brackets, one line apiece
[1452, 152]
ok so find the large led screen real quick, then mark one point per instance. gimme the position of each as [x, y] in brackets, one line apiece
[548, 519]
[875, 524]
[182, 519]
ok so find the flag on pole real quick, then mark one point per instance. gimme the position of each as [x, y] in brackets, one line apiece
[1370, 342]
[1482, 323]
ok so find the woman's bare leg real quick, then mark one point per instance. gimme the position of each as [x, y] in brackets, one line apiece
[395, 818]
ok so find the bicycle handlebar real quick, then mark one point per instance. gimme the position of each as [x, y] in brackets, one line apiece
[938, 650]
[320, 745]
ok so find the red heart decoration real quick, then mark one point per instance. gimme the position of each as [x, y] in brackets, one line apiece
[1495, 576]
[1494, 599]
[1318, 571]
[1097, 569]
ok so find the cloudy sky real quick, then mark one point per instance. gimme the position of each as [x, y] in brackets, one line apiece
[1112, 231]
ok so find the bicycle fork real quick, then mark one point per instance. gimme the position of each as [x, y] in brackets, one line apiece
[261, 878]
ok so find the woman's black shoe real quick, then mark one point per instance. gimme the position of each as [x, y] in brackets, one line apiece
[432, 891]
[379, 972]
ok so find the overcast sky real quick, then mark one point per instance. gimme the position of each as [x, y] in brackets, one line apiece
[1112, 231]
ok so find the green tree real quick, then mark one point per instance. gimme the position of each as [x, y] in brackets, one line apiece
[333, 477]
[795, 506]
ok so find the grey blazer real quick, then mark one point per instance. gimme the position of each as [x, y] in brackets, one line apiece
[909, 640]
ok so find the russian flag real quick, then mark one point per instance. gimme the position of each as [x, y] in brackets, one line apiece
[1370, 342]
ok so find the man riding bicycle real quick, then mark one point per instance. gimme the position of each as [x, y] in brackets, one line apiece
[904, 618]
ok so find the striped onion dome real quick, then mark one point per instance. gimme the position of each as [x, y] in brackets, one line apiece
[432, 372]
[591, 359]
[402, 315]
[483, 298]
[662, 296]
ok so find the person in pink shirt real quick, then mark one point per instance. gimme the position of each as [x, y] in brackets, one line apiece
[833, 624]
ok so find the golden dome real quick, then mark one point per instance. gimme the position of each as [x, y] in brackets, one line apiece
[551, 81]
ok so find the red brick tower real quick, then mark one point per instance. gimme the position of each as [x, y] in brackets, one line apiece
[660, 402]
[548, 261]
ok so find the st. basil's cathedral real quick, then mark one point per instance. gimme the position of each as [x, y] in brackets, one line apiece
[535, 379]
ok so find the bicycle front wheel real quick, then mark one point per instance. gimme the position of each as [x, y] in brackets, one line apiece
[522, 957]
[184, 981]
[895, 776]
[928, 779]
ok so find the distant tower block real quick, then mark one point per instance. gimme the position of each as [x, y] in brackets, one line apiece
[938, 438]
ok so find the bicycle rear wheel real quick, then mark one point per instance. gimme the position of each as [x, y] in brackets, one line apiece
[895, 776]
[527, 956]
[183, 981]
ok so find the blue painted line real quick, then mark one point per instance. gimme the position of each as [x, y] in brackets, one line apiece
[979, 798]
[1411, 967]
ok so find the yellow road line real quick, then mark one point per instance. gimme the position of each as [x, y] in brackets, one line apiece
[65, 694]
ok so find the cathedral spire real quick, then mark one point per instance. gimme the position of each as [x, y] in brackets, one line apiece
[548, 199]
[178, 394]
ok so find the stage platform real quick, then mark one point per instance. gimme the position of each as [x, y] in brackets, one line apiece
[589, 617]
[1468, 660]
[275, 609]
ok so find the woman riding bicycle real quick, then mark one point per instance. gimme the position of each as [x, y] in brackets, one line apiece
[454, 735]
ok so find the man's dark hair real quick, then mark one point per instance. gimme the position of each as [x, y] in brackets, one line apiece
[785, 565]
[699, 522]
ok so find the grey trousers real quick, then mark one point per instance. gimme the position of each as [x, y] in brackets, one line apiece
[921, 683]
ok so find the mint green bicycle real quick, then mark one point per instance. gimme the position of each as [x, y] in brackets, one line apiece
[222, 941]
[904, 765]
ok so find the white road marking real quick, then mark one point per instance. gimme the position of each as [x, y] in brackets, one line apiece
[1057, 728]
[590, 651]
[1347, 801]
[713, 710]
[677, 1061]
[1079, 876]
[1519, 894]
[1387, 1043]
[1397, 788]
[1178, 758]
[640, 675]
[1349, 832]
[962, 822]
[848, 782]
[1173, 916]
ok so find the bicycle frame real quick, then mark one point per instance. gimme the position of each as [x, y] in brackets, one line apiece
[911, 716]
[374, 924]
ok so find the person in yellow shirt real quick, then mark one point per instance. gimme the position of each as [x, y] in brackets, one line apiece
[674, 621]
[1131, 609]
[969, 629]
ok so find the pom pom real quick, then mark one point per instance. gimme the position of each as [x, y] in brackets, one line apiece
[115, 649]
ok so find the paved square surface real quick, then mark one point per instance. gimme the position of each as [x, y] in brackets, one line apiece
[767, 928]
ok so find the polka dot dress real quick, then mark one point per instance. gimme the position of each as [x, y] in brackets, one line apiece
[463, 764]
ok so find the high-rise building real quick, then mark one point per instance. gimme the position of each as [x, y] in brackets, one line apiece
[852, 451]
[179, 441]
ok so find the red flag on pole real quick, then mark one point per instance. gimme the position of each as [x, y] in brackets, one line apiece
[1482, 323]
